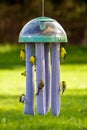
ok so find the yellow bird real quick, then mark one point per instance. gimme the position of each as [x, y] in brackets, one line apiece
[40, 87]
[23, 73]
[63, 86]
[32, 60]
[63, 53]
[22, 55]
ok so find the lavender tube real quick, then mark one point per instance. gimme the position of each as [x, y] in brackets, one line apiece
[56, 79]
[40, 75]
[29, 106]
[47, 76]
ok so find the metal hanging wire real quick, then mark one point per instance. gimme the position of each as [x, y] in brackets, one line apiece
[42, 8]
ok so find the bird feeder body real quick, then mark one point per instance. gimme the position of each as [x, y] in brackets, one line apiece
[38, 34]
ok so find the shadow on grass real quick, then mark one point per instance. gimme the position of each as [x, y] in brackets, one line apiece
[76, 54]
[10, 60]
[72, 115]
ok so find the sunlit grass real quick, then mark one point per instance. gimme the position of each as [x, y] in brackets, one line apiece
[75, 75]
[11, 81]
[73, 115]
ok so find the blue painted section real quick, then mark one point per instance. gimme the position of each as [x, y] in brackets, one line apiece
[29, 105]
[40, 75]
[48, 77]
[56, 79]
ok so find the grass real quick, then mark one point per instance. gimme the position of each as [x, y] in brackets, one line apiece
[73, 115]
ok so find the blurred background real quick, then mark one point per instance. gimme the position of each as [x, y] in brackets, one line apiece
[71, 14]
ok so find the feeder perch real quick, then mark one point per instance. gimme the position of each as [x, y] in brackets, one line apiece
[38, 34]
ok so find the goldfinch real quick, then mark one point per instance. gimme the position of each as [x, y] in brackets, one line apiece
[63, 86]
[32, 60]
[63, 53]
[40, 87]
[22, 55]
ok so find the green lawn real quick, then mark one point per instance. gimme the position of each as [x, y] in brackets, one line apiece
[73, 115]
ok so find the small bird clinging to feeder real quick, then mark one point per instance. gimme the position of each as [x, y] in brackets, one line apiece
[63, 53]
[40, 87]
[22, 98]
[63, 86]
[32, 60]
[22, 55]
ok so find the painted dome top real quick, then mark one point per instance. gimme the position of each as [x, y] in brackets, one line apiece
[42, 29]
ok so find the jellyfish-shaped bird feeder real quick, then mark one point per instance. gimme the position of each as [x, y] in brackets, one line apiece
[37, 35]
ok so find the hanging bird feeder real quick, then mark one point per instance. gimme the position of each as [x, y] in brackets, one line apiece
[37, 35]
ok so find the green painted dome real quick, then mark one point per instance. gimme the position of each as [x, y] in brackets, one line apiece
[42, 29]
